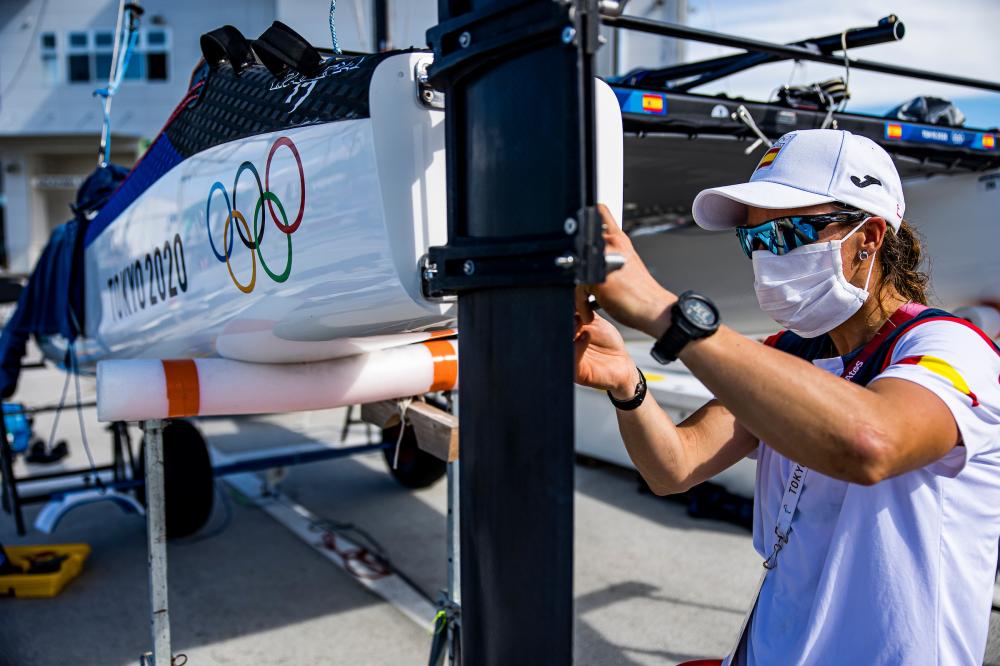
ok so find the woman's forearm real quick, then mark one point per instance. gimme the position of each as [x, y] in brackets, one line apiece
[672, 458]
[654, 445]
[803, 412]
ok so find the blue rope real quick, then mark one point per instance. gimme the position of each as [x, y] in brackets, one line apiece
[124, 57]
[333, 27]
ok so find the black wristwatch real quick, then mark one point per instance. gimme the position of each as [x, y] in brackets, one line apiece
[692, 317]
[634, 401]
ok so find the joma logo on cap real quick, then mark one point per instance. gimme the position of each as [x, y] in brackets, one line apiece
[869, 180]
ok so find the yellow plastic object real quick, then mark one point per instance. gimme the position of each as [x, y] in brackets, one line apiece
[46, 585]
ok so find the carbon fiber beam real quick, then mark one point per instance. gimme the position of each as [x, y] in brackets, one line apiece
[519, 128]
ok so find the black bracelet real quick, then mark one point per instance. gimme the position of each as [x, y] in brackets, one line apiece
[634, 401]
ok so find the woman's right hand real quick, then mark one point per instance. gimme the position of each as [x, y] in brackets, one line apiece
[601, 359]
[631, 295]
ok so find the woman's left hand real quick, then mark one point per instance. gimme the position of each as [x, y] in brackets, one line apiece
[601, 359]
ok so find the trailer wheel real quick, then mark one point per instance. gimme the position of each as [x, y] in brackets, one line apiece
[415, 468]
[189, 484]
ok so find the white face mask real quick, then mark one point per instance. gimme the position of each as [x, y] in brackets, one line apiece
[805, 290]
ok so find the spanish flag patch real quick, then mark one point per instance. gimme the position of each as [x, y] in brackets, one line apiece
[652, 103]
[768, 157]
[941, 367]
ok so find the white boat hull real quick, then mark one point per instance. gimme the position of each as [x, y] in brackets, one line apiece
[343, 212]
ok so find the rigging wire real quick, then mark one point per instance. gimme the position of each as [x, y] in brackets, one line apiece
[118, 39]
[126, 37]
[55, 419]
[75, 369]
[333, 28]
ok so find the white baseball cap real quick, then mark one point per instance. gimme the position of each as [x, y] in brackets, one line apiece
[806, 168]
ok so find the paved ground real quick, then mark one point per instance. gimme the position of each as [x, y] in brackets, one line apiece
[652, 585]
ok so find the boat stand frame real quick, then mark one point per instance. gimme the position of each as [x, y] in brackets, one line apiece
[156, 541]
[13, 501]
[437, 434]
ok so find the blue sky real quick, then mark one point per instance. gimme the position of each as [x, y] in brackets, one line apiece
[955, 37]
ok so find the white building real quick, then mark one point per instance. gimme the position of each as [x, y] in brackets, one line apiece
[55, 53]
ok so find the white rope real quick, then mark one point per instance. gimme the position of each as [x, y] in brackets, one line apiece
[126, 36]
[830, 107]
[404, 404]
[118, 38]
[847, 69]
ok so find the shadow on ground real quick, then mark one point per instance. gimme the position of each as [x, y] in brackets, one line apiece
[253, 578]
[653, 586]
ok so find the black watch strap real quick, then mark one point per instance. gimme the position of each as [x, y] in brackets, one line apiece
[684, 328]
[670, 344]
[634, 401]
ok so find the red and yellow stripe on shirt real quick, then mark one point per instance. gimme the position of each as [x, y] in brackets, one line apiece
[768, 157]
[942, 368]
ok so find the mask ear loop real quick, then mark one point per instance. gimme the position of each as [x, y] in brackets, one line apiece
[871, 266]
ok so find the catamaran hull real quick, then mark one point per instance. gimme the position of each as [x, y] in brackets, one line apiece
[292, 245]
[296, 245]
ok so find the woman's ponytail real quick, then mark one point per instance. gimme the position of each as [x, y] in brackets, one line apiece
[899, 261]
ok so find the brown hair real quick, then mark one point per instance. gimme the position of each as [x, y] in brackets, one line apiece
[899, 260]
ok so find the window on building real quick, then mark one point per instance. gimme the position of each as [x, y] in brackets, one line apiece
[136, 70]
[104, 45]
[89, 56]
[156, 38]
[78, 58]
[50, 61]
[157, 44]
[78, 68]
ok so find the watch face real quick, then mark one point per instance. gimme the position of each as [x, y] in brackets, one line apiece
[699, 313]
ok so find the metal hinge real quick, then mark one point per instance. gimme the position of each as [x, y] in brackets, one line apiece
[427, 94]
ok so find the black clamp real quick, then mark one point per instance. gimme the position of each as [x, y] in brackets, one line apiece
[474, 39]
[575, 256]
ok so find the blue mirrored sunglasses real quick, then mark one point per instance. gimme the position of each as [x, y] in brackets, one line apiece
[784, 234]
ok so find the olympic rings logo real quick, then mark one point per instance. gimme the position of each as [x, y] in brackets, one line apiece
[252, 240]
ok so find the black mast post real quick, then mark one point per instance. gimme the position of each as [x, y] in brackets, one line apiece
[381, 26]
[522, 230]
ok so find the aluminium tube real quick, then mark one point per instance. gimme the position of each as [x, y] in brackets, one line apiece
[789, 51]
[139, 389]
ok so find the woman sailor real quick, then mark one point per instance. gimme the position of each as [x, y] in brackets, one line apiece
[874, 420]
